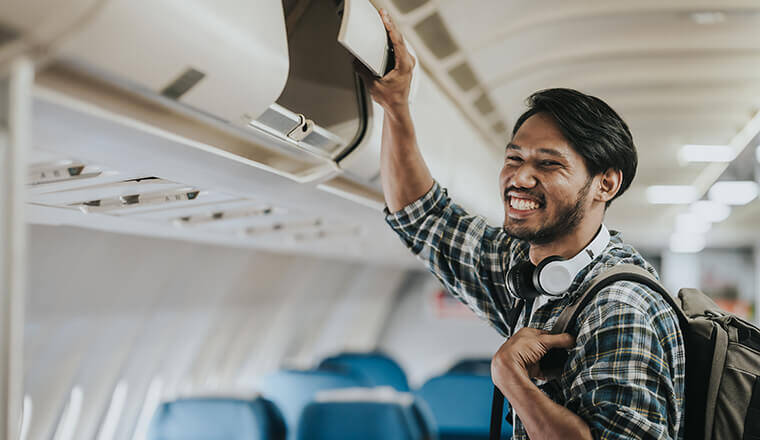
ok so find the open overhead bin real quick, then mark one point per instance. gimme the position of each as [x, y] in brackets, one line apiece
[269, 71]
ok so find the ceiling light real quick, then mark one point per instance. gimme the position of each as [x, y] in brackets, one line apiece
[738, 192]
[691, 223]
[687, 243]
[710, 211]
[671, 194]
[706, 153]
[708, 17]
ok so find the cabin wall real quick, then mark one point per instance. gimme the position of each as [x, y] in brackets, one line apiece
[427, 336]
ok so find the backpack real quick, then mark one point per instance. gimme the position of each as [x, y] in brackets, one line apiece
[722, 396]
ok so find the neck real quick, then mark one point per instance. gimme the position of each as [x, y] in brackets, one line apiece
[568, 245]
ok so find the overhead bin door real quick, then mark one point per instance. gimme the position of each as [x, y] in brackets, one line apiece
[224, 58]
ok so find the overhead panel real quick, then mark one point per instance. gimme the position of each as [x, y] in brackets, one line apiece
[407, 6]
[436, 36]
[463, 75]
[484, 105]
[7, 34]
[500, 127]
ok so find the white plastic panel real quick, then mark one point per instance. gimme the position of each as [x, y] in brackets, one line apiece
[239, 48]
[362, 32]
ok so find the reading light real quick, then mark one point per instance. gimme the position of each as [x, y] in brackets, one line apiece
[686, 243]
[739, 192]
[706, 153]
[708, 17]
[710, 211]
[691, 223]
[671, 194]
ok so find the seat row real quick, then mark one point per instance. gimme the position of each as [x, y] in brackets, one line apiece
[349, 396]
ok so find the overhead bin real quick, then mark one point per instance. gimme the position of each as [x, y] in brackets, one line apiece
[270, 71]
[223, 58]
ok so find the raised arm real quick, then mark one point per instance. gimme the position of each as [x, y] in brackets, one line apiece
[469, 257]
[405, 176]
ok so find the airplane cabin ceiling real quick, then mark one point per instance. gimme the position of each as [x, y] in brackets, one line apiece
[679, 72]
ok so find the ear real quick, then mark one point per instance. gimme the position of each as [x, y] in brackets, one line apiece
[609, 185]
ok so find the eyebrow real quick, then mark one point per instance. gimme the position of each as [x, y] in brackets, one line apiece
[549, 151]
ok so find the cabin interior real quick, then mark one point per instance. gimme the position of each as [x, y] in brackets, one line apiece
[192, 211]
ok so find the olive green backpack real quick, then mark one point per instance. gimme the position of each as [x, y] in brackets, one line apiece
[722, 398]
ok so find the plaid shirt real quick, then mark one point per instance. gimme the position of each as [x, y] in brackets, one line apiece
[624, 378]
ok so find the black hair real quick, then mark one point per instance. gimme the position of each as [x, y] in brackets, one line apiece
[591, 127]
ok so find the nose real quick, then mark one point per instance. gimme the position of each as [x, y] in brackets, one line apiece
[522, 177]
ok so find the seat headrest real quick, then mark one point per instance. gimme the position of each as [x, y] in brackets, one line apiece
[372, 414]
[217, 417]
[377, 395]
[379, 368]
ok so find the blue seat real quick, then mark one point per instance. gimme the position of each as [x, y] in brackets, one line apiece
[366, 414]
[461, 406]
[478, 366]
[217, 418]
[379, 368]
[292, 390]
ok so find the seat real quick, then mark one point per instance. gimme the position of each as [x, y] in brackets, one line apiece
[478, 366]
[461, 406]
[292, 390]
[366, 414]
[379, 368]
[218, 418]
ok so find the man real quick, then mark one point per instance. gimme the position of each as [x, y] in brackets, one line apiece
[569, 157]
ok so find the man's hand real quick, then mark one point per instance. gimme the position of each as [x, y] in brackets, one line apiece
[392, 90]
[517, 359]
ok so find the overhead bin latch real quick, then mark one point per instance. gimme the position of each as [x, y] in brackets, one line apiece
[303, 129]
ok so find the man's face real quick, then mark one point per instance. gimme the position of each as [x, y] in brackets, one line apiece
[544, 183]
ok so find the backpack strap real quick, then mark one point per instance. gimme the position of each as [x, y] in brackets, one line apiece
[497, 402]
[552, 364]
[622, 272]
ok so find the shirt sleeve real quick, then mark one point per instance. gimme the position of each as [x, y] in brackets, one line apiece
[469, 257]
[622, 384]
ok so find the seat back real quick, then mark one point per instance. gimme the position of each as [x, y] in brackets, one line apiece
[461, 406]
[367, 414]
[379, 368]
[478, 366]
[292, 390]
[218, 418]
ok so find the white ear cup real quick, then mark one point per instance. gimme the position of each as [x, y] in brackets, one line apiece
[556, 276]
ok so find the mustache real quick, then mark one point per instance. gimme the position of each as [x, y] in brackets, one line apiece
[532, 193]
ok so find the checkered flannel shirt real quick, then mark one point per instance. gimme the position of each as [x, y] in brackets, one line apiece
[624, 378]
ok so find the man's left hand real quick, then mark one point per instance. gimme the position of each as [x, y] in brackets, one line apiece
[517, 359]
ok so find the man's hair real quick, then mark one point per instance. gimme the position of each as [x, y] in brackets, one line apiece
[591, 127]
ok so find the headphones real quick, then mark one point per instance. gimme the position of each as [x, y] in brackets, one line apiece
[554, 275]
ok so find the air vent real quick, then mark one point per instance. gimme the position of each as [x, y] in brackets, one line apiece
[463, 75]
[484, 104]
[407, 6]
[183, 84]
[436, 36]
[8, 34]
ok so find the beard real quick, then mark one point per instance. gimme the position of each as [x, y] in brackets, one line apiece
[566, 221]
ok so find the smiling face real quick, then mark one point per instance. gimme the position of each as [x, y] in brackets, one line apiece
[544, 183]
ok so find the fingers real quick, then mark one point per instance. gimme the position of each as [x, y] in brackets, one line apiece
[562, 340]
[393, 33]
[404, 61]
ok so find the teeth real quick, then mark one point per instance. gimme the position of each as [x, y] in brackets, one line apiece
[522, 204]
